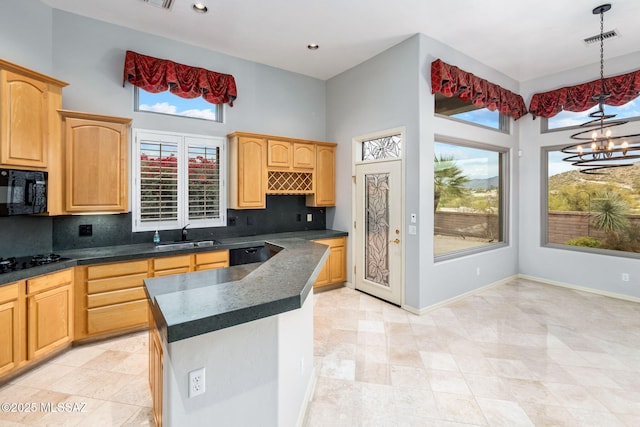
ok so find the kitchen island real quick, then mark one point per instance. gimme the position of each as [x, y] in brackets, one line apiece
[250, 327]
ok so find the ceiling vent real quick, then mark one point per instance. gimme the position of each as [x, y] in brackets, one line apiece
[165, 4]
[596, 39]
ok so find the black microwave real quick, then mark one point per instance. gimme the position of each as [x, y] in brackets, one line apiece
[22, 192]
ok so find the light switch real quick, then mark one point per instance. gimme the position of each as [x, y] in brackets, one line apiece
[412, 230]
[414, 218]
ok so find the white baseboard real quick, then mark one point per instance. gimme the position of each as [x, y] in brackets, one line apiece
[421, 311]
[308, 396]
[579, 288]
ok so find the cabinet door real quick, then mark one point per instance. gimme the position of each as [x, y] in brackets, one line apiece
[304, 156]
[249, 174]
[96, 165]
[335, 268]
[10, 337]
[155, 375]
[24, 120]
[279, 154]
[50, 320]
[338, 268]
[325, 188]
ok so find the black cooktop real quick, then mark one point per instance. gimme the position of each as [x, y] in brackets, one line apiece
[10, 264]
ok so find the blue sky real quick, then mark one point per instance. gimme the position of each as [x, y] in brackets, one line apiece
[474, 162]
[569, 118]
[168, 103]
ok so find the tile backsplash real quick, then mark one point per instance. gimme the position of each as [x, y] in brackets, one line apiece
[29, 235]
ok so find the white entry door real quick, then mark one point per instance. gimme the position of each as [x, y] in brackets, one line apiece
[378, 229]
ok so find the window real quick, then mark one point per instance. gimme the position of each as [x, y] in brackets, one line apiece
[570, 119]
[178, 180]
[458, 109]
[168, 103]
[469, 197]
[601, 213]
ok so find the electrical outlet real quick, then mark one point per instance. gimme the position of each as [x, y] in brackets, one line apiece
[625, 277]
[85, 229]
[196, 382]
[309, 217]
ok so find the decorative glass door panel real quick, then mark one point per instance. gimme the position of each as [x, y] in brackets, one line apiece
[377, 228]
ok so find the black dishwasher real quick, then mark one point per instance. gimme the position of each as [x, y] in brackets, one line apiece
[248, 255]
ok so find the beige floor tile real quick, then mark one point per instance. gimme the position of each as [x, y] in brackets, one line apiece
[516, 354]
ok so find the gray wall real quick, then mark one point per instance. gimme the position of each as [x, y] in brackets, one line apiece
[600, 272]
[26, 34]
[393, 90]
[380, 94]
[89, 54]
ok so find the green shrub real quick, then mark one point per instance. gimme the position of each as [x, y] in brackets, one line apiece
[588, 242]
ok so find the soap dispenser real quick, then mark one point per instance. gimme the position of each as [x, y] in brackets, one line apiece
[156, 238]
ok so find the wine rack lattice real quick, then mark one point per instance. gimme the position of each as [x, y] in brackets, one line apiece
[290, 182]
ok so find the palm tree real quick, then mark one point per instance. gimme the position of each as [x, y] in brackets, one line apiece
[610, 212]
[448, 179]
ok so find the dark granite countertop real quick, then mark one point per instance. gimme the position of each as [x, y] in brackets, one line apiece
[148, 250]
[191, 304]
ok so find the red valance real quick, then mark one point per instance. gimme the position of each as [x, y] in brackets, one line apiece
[622, 89]
[157, 75]
[450, 80]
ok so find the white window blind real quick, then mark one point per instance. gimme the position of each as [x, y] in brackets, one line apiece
[178, 180]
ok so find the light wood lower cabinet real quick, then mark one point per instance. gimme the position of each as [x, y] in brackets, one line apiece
[12, 342]
[166, 266]
[335, 268]
[211, 260]
[111, 297]
[155, 372]
[50, 313]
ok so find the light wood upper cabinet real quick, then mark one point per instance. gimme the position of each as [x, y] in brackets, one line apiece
[279, 154]
[50, 313]
[325, 177]
[96, 152]
[28, 120]
[263, 164]
[247, 172]
[304, 156]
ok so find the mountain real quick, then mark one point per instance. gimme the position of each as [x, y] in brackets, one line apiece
[482, 184]
[627, 177]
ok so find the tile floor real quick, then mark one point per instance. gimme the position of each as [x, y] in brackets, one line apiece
[519, 354]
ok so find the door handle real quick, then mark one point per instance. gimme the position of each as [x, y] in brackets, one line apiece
[396, 241]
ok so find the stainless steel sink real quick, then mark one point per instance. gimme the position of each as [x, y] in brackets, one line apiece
[175, 245]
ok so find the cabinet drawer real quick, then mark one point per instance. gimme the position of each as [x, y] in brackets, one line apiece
[115, 297]
[49, 281]
[212, 257]
[171, 262]
[117, 269]
[171, 271]
[116, 283]
[211, 266]
[8, 292]
[118, 316]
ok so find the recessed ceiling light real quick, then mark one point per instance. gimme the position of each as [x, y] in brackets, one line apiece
[313, 46]
[200, 7]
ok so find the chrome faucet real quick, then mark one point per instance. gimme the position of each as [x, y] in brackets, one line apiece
[184, 233]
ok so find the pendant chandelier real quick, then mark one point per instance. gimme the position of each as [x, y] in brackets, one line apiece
[597, 146]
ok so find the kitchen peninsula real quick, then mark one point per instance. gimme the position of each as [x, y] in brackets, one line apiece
[250, 327]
